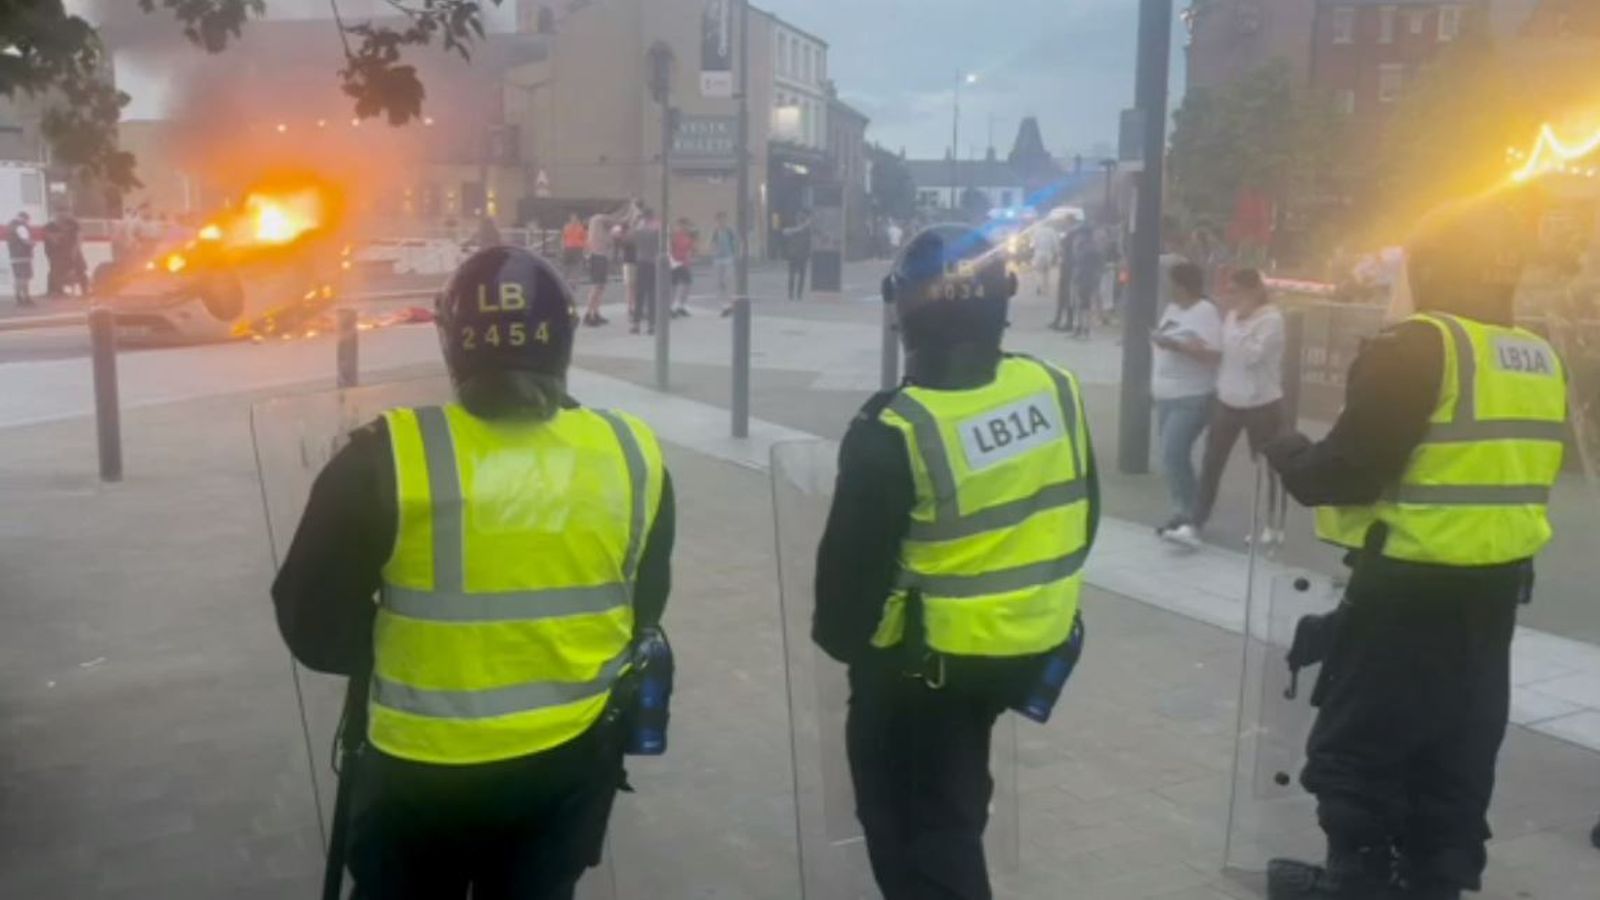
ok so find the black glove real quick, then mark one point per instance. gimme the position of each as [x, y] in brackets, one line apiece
[1280, 450]
[1313, 640]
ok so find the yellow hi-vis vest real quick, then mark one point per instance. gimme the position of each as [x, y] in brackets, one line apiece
[999, 530]
[1476, 489]
[506, 611]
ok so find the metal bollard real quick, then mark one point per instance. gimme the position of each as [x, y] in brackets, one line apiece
[741, 367]
[349, 349]
[107, 414]
[889, 377]
[1294, 342]
[662, 316]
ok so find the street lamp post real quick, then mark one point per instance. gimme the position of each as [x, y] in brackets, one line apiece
[1155, 50]
[955, 140]
[661, 315]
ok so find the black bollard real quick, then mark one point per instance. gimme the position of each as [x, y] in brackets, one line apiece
[349, 349]
[107, 414]
[741, 367]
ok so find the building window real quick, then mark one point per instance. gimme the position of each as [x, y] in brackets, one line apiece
[783, 54]
[1449, 23]
[1419, 21]
[1391, 79]
[1344, 25]
[1345, 102]
[1386, 18]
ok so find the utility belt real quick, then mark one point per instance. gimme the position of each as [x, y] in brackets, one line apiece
[1034, 699]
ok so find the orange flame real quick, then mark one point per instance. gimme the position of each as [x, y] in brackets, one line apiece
[282, 219]
[176, 263]
[1552, 154]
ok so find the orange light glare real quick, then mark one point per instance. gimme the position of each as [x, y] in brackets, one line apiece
[1551, 154]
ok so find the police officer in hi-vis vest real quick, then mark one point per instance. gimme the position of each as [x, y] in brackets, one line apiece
[490, 563]
[1435, 478]
[949, 574]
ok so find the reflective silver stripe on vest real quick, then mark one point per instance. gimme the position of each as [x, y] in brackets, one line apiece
[449, 600]
[504, 701]
[1496, 430]
[1002, 581]
[1069, 410]
[949, 524]
[520, 606]
[930, 444]
[444, 491]
[1005, 515]
[639, 478]
[1472, 495]
[1466, 370]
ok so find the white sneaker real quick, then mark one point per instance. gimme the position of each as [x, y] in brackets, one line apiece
[1184, 536]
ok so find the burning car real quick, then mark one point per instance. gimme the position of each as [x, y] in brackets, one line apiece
[269, 266]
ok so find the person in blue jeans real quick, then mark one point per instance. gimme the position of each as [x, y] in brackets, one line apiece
[1188, 351]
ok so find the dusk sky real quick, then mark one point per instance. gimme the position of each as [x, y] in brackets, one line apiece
[1069, 62]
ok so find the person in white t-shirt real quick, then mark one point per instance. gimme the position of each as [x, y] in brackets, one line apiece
[1249, 389]
[1188, 349]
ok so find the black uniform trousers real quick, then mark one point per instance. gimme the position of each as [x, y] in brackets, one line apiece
[919, 758]
[523, 829]
[1413, 701]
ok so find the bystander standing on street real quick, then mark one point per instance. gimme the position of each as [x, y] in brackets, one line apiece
[1045, 244]
[599, 267]
[1064, 280]
[1086, 270]
[797, 249]
[1188, 348]
[724, 257]
[19, 242]
[574, 238]
[647, 246]
[487, 234]
[627, 251]
[1249, 393]
[681, 246]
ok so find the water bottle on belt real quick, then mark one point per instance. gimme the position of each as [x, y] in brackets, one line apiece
[652, 658]
[1046, 690]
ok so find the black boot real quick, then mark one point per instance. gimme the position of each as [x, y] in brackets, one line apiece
[1366, 873]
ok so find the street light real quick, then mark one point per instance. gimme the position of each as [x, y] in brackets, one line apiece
[968, 78]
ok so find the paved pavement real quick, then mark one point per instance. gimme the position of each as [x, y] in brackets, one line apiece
[149, 743]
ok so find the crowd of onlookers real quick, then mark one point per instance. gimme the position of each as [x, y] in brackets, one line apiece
[625, 245]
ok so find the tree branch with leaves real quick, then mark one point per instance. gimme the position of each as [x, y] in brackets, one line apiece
[50, 54]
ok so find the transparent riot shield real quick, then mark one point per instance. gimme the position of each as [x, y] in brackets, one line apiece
[1269, 815]
[295, 436]
[833, 851]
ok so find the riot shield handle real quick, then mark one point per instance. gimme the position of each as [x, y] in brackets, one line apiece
[349, 743]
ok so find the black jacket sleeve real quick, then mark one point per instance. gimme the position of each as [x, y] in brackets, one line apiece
[1392, 391]
[326, 591]
[654, 581]
[858, 559]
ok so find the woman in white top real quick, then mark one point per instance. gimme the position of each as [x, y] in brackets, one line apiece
[1249, 387]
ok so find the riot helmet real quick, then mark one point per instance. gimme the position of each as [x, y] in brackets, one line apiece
[506, 324]
[950, 286]
[1468, 258]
